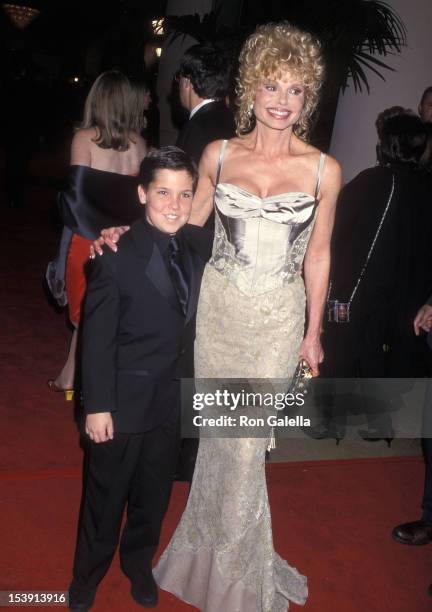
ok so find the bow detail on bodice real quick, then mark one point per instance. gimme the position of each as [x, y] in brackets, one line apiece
[290, 207]
[260, 242]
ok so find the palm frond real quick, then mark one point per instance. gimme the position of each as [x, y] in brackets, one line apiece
[352, 32]
[357, 74]
[383, 29]
[205, 30]
[367, 57]
[373, 29]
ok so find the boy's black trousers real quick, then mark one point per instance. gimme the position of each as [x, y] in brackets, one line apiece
[133, 470]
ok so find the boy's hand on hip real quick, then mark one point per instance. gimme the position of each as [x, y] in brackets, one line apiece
[99, 426]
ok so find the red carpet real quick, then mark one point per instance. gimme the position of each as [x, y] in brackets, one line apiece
[332, 520]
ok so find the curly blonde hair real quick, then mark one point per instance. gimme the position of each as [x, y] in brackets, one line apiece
[271, 50]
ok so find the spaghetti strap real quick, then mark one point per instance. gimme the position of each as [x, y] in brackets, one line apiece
[320, 168]
[221, 159]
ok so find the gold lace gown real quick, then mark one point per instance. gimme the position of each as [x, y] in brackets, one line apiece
[250, 325]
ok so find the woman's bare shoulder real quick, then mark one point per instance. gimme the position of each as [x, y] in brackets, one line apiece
[304, 149]
[82, 143]
[214, 148]
[332, 168]
[210, 155]
[237, 141]
[83, 135]
[138, 143]
[312, 156]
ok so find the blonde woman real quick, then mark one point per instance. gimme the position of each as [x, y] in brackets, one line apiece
[106, 153]
[274, 196]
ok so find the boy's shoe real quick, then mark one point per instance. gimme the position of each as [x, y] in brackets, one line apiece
[416, 533]
[144, 590]
[81, 599]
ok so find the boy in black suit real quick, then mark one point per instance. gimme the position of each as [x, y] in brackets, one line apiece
[140, 302]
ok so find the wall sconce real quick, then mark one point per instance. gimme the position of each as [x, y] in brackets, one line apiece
[158, 51]
[158, 27]
[21, 16]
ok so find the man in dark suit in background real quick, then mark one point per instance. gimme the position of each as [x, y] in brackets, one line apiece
[381, 271]
[203, 80]
[139, 305]
[417, 533]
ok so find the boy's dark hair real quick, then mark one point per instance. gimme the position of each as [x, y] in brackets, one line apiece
[426, 92]
[208, 70]
[403, 140]
[166, 158]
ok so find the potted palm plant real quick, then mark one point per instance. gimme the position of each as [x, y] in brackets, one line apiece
[356, 36]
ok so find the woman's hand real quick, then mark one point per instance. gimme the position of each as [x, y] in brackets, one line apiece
[311, 351]
[110, 237]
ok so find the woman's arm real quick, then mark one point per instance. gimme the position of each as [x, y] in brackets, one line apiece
[202, 204]
[317, 264]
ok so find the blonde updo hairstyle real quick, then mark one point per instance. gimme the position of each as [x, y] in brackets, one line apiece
[270, 51]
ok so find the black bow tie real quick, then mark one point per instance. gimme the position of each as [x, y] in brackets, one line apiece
[178, 273]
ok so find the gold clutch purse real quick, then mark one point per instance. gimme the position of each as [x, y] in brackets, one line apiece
[301, 378]
[299, 385]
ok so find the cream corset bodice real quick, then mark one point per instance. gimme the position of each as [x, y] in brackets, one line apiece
[260, 242]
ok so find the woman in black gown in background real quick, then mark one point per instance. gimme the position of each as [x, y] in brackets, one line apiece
[106, 153]
[378, 340]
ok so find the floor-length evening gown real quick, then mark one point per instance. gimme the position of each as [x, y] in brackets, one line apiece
[250, 325]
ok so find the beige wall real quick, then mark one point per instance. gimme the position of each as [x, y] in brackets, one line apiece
[354, 135]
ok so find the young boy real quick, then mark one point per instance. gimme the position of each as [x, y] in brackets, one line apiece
[140, 303]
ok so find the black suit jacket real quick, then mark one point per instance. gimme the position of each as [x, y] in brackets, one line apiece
[134, 332]
[214, 121]
[399, 273]
[398, 278]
